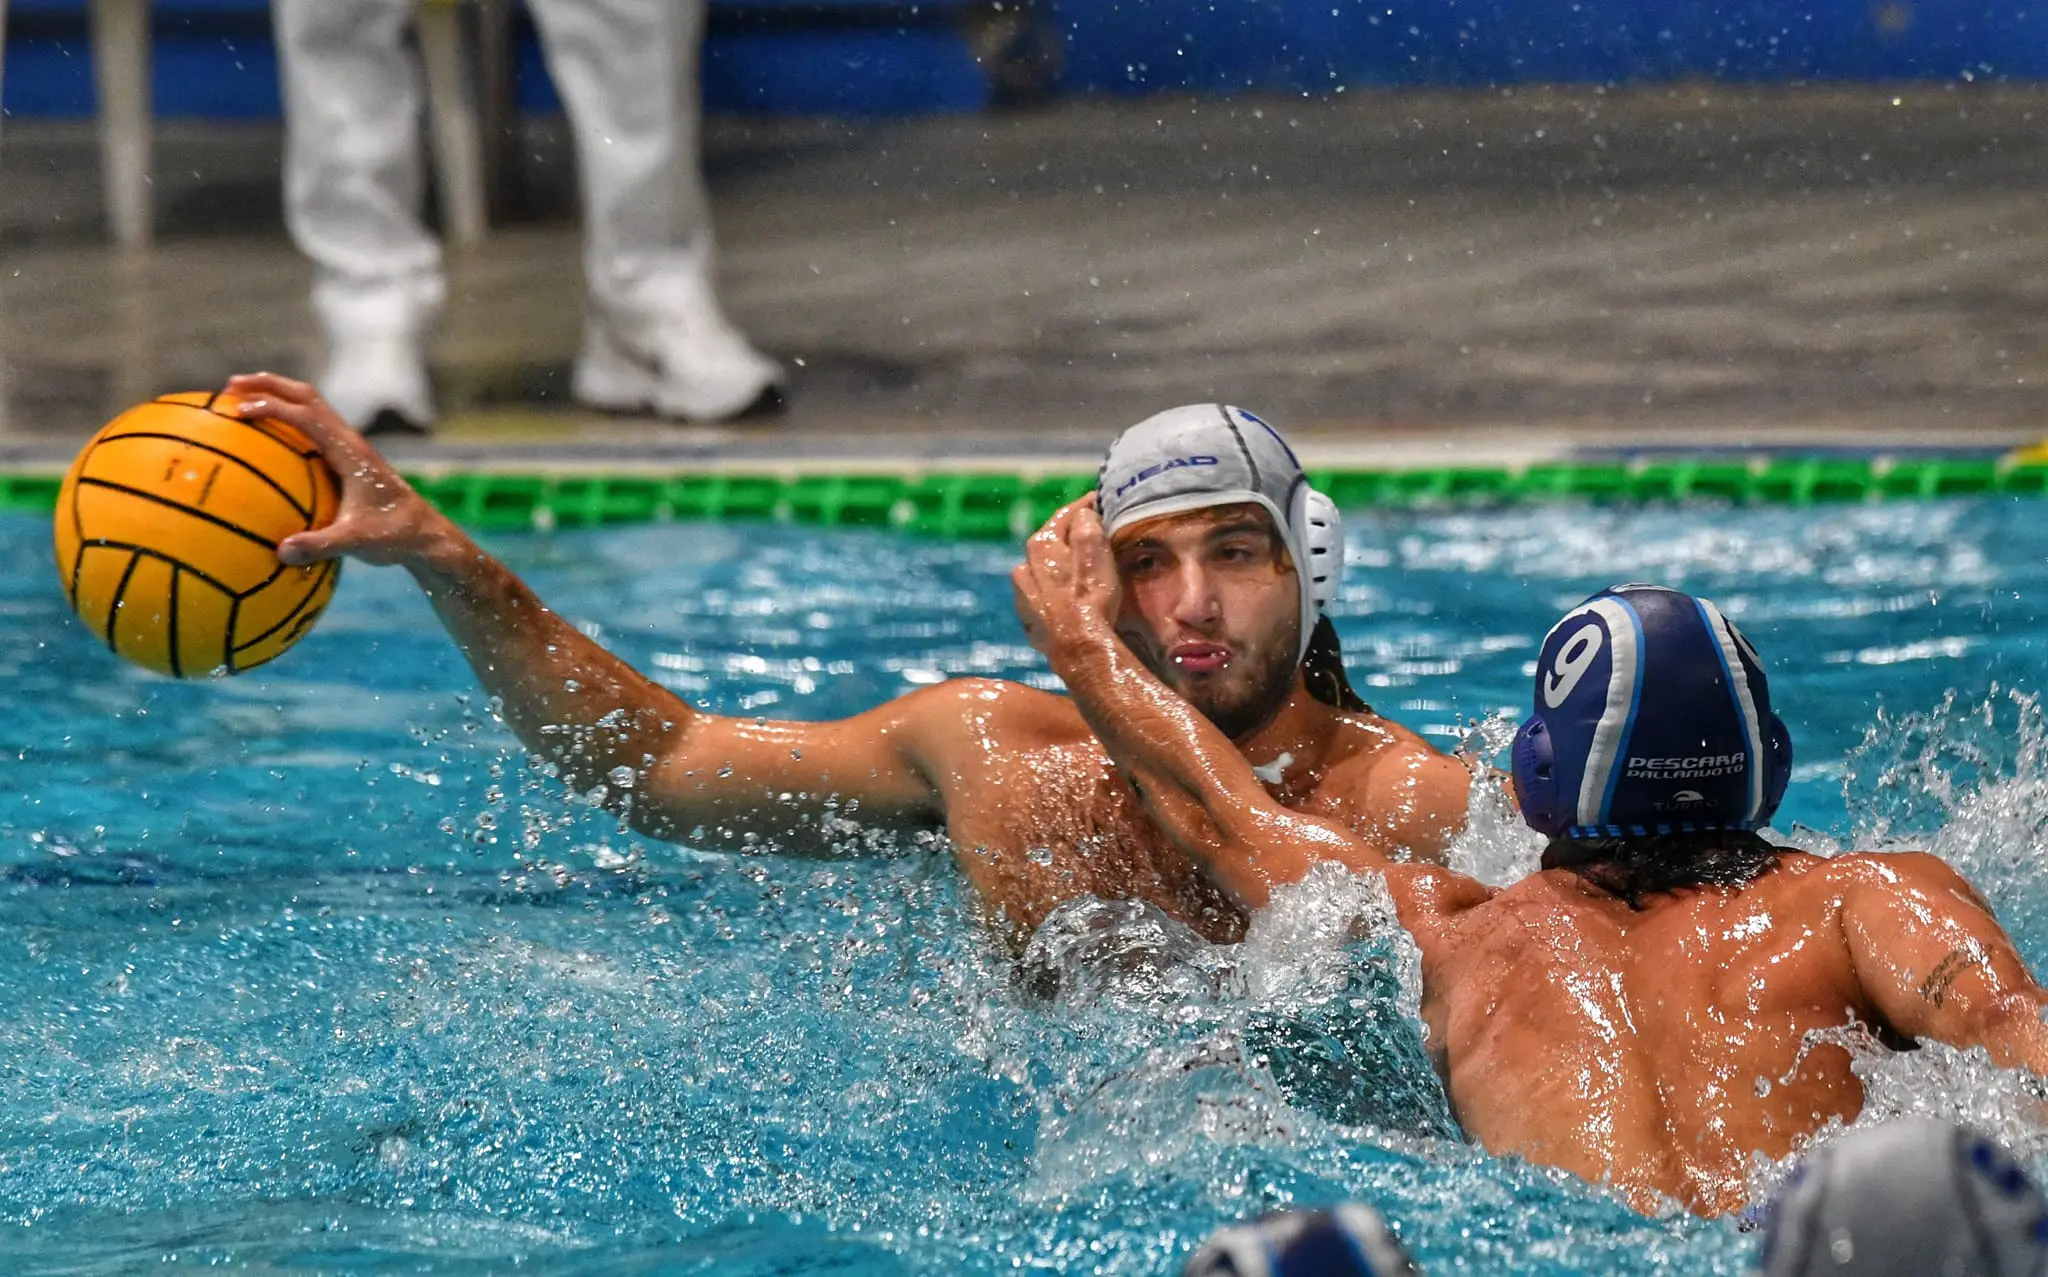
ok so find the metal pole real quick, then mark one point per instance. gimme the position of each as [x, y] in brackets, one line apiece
[457, 138]
[121, 52]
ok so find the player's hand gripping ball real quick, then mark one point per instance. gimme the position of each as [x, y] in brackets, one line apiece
[167, 532]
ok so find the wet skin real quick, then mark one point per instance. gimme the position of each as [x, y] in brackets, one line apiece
[1035, 812]
[1654, 1050]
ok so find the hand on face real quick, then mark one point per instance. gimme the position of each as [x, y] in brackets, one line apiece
[1067, 589]
[381, 519]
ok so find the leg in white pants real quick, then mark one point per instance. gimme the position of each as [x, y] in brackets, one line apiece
[655, 336]
[627, 70]
[352, 187]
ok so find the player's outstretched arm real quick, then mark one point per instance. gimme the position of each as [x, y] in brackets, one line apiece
[1195, 783]
[582, 708]
[1936, 964]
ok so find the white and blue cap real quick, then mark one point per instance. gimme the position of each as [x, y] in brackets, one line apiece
[1204, 455]
[1652, 716]
[1350, 1241]
[1913, 1197]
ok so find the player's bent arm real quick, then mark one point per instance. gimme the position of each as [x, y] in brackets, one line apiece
[1202, 791]
[591, 715]
[1194, 782]
[1936, 964]
[601, 723]
[890, 767]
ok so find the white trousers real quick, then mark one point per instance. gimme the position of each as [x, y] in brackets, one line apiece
[353, 97]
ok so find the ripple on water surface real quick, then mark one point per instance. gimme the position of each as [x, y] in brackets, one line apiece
[309, 971]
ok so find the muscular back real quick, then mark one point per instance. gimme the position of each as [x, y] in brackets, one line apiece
[1657, 1050]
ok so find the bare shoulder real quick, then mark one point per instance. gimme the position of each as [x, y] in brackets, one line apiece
[1866, 868]
[1389, 781]
[1900, 870]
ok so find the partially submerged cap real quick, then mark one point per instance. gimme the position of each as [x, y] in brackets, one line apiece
[1652, 715]
[1914, 1197]
[1350, 1241]
[1205, 455]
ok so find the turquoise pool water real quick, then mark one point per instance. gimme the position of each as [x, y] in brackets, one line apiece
[305, 971]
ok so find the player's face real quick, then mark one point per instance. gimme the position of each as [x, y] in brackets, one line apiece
[1212, 607]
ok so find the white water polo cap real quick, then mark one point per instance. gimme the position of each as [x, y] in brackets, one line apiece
[1912, 1197]
[1205, 455]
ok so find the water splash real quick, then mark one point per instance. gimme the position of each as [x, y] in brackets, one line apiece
[1127, 952]
[614, 1060]
[1305, 1031]
[1969, 783]
[1496, 846]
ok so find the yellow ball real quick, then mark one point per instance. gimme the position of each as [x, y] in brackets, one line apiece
[167, 532]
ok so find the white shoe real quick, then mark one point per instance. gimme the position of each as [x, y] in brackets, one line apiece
[698, 368]
[379, 385]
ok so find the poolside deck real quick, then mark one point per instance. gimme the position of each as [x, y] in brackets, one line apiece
[1397, 278]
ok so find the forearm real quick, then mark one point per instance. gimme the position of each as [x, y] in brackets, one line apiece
[1148, 730]
[740, 785]
[662, 763]
[568, 699]
[2021, 1041]
[1195, 783]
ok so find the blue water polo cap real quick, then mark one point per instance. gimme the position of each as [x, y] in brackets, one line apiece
[1349, 1241]
[1652, 716]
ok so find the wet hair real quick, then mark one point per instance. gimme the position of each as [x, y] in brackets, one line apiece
[1322, 670]
[1646, 865]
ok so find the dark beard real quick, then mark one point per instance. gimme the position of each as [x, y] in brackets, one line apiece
[1245, 713]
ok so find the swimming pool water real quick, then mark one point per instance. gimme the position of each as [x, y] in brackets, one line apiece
[307, 971]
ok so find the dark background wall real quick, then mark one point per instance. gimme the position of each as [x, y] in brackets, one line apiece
[214, 57]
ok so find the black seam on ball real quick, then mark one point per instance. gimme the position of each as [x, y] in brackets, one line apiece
[243, 462]
[171, 624]
[154, 499]
[101, 543]
[114, 609]
[290, 616]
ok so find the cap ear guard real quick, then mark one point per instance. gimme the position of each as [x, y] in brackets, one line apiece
[1535, 775]
[1323, 543]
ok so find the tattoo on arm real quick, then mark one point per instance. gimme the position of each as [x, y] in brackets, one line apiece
[1935, 988]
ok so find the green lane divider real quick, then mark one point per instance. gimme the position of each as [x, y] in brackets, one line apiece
[34, 493]
[1008, 506]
